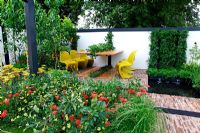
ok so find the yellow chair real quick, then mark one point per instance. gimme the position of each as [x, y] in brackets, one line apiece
[90, 61]
[66, 59]
[82, 63]
[123, 67]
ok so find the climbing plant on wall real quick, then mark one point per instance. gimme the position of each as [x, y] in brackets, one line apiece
[168, 49]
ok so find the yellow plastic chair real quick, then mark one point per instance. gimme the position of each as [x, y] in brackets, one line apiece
[123, 67]
[66, 59]
[82, 63]
[90, 61]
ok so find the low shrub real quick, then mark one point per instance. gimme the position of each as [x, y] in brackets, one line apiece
[59, 102]
[135, 116]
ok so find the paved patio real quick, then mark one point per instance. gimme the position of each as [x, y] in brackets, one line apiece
[179, 123]
[175, 123]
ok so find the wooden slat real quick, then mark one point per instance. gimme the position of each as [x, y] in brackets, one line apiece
[104, 53]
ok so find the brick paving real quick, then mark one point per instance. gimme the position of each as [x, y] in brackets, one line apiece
[138, 73]
[179, 123]
[174, 123]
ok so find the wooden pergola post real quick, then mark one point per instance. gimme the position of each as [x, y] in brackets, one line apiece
[31, 36]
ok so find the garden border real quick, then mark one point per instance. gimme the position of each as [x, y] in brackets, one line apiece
[138, 29]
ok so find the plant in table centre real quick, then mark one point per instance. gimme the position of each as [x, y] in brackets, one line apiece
[108, 45]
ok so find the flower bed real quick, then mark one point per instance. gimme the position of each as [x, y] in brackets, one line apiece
[58, 101]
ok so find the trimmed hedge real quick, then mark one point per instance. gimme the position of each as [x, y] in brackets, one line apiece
[168, 49]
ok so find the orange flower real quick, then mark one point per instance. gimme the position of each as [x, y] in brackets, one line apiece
[94, 94]
[10, 95]
[16, 94]
[4, 114]
[54, 107]
[57, 97]
[54, 112]
[131, 91]
[6, 101]
[107, 124]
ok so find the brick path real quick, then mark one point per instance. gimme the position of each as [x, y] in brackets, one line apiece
[141, 74]
[179, 123]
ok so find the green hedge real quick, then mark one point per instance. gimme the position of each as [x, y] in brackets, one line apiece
[168, 49]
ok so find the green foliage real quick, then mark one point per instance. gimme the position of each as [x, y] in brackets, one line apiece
[69, 8]
[108, 45]
[54, 33]
[137, 116]
[168, 49]
[195, 54]
[17, 65]
[169, 73]
[59, 102]
[13, 21]
[127, 13]
[188, 71]
[100, 71]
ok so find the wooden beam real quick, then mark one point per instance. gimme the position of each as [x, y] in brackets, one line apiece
[31, 36]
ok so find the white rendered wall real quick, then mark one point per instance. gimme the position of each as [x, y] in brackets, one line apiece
[127, 42]
[194, 36]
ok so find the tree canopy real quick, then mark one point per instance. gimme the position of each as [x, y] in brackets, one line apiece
[142, 13]
[69, 8]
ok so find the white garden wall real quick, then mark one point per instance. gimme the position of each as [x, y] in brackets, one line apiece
[127, 42]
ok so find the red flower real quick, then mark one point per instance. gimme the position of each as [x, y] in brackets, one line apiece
[103, 99]
[94, 94]
[16, 94]
[54, 112]
[142, 92]
[123, 100]
[107, 124]
[4, 114]
[6, 101]
[131, 91]
[63, 115]
[78, 122]
[54, 107]
[86, 102]
[85, 96]
[71, 117]
[30, 91]
[57, 97]
[10, 95]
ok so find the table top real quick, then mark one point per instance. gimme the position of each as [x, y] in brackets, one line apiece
[104, 53]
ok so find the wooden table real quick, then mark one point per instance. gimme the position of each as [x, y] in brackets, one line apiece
[105, 53]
